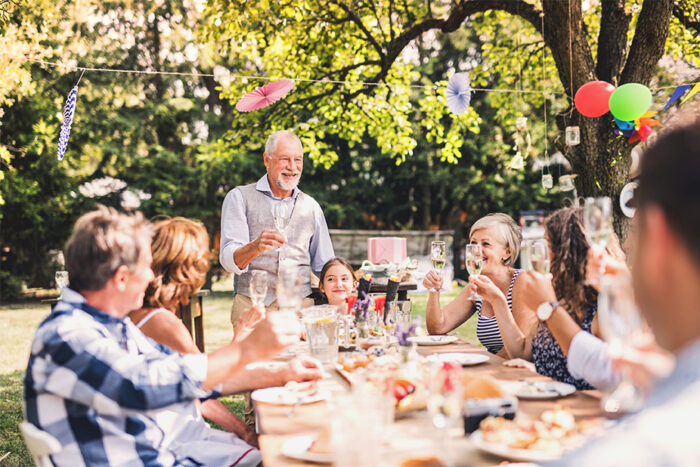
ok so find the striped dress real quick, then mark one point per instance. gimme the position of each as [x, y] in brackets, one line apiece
[487, 328]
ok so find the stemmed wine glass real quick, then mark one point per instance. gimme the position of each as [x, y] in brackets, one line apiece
[280, 214]
[475, 261]
[622, 326]
[258, 287]
[61, 281]
[538, 254]
[437, 257]
[597, 220]
[444, 403]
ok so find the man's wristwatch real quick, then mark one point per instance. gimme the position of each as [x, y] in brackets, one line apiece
[545, 310]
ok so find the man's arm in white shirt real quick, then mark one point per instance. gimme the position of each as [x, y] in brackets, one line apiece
[588, 359]
[234, 230]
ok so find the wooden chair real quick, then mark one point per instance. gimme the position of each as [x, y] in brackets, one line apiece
[40, 444]
[192, 316]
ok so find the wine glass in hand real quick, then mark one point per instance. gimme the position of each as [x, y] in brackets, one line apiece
[280, 214]
[597, 221]
[475, 261]
[437, 257]
[538, 252]
[258, 287]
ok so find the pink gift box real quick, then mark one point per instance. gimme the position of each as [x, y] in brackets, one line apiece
[386, 249]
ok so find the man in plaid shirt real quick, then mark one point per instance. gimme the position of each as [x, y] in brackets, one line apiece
[110, 395]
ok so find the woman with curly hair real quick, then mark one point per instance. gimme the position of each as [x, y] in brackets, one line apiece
[180, 249]
[567, 303]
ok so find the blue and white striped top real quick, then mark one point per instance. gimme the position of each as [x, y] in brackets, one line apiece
[487, 328]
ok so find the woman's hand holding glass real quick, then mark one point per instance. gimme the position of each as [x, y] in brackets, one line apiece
[486, 289]
[433, 281]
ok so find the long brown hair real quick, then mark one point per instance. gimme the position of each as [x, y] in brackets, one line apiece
[567, 241]
[333, 262]
[180, 249]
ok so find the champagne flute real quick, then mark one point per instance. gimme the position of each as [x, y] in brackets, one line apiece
[437, 258]
[280, 215]
[258, 287]
[538, 254]
[61, 281]
[597, 221]
[621, 325]
[475, 261]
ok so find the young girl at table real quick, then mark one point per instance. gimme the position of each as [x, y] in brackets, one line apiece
[180, 249]
[338, 283]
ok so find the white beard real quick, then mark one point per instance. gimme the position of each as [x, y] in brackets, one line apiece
[287, 186]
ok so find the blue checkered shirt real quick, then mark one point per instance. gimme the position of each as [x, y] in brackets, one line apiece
[97, 384]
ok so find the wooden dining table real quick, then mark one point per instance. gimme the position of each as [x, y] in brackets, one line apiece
[276, 426]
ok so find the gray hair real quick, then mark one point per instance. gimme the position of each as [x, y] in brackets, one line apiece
[276, 137]
[101, 242]
[506, 231]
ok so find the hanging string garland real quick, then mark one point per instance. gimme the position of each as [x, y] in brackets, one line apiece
[68, 113]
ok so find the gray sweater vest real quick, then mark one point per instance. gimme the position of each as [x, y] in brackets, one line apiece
[301, 227]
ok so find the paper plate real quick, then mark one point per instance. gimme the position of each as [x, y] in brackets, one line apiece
[463, 358]
[298, 448]
[538, 390]
[520, 455]
[433, 340]
[282, 396]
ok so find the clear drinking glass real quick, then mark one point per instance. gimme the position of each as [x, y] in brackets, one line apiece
[280, 215]
[538, 255]
[445, 401]
[475, 261]
[321, 326]
[597, 220]
[403, 313]
[61, 281]
[258, 287]
[621, 325]
[438, 256]
[289, 296]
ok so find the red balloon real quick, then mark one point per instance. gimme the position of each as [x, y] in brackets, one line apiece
[592, 98]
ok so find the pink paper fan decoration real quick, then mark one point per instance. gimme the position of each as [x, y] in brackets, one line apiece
[264, 95]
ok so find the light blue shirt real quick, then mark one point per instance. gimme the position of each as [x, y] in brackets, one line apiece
[666, 432]
[235, 232]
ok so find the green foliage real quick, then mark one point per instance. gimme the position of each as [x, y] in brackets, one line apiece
[10, 417]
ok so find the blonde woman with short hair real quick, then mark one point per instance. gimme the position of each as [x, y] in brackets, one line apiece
[502, 316]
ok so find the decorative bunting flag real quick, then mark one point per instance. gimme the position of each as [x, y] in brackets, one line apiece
[692, 92]
[676, 94]
[68, 113]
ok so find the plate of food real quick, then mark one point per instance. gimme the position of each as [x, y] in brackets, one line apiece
[538, 390]
[433, 340]
[292, 393]
[463, 358]
[311, 448]
[541, 440]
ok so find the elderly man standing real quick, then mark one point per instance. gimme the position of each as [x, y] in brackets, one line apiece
[110, 395]
[666, 277]
[249, 240]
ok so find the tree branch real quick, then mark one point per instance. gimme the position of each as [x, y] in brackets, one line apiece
[684, 19]
[358, 22]
[612, 40]
[649, 41]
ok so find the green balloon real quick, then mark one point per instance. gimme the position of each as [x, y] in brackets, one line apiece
[630, 101]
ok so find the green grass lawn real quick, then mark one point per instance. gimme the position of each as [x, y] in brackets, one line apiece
[17, 325]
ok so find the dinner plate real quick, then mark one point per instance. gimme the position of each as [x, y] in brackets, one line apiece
[520, 455]
[433, 340]
[538, 390]
[280, 395]
[463, 358]
[298, 448]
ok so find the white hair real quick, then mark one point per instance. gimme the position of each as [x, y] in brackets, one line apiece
[506, 231]
[274, 139]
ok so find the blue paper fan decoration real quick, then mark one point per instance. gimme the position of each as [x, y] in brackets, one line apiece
[458, 93]
[68, 112]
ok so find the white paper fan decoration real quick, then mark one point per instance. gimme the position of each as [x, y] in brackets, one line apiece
[68, 113]
[458, 93]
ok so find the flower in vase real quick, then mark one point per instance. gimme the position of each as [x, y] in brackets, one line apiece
[402, 333]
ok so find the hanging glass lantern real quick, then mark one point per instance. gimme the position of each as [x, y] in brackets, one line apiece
[517, 162]
[572, 135]
[547, 181]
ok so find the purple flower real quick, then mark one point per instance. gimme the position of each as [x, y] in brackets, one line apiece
[403, 334]
[362, 307]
